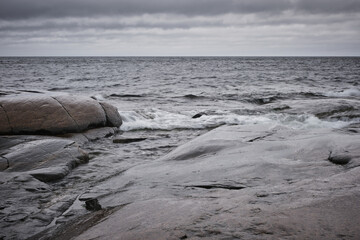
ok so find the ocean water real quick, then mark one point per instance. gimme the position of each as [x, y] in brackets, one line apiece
[164, 93]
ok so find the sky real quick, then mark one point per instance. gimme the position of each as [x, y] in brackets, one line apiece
[179, 27]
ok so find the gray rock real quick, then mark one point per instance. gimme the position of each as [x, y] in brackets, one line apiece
[97, 133]
[235, 182]
[45, 159]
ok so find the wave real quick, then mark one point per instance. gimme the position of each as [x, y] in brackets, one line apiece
[193, 96]
[204, 77]
[156, 119]
[266, 98]
[59, 88]
[352, 92]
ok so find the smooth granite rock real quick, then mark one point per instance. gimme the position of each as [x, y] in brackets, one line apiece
[258, 182]
[46, 114]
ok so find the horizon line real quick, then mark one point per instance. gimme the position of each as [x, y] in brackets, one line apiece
[168, 56]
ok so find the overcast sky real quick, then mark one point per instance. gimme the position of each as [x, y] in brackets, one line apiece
[179, 27]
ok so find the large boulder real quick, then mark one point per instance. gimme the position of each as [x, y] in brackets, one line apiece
[46, 114]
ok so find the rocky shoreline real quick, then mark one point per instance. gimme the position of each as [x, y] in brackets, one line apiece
[234, 182]
[30, 163]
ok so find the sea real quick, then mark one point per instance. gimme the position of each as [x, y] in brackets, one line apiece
[165, 93]
[171, 100]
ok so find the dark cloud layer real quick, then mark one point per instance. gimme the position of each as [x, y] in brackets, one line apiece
[179, 27]
[24, 9]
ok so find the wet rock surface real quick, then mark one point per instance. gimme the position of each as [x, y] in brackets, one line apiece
[259, 182]
[234, 182]
[264, 182]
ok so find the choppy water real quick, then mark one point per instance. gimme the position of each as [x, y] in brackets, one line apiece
[165, 92]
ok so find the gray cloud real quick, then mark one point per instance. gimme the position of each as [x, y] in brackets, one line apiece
[23, 9]
[179, 27]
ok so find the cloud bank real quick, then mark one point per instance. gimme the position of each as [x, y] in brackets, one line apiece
[186, 27]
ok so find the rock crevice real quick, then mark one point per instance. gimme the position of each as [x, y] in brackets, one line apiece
[66, 111]
[6, 118]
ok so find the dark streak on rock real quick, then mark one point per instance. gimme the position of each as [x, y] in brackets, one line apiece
[92, 205]
[8, 162]
[260, 138]
[128, 140]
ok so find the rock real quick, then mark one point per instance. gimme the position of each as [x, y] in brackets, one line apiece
[92, 205]
[20, 200]
[198, 115]
[236, 182]
[46, 114]
[113, 118]
[339, 159]
[45, 159]
[4, 163]
[97, 133]
[50, 174]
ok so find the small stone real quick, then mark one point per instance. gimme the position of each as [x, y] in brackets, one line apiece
[262, 194]
[198, 115]
[184, 236]
[92, 205]
[339, 159]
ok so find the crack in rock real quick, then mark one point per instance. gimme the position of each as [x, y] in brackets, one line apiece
[7, 117]
[8, 162]
[260, 138]
[67, 112]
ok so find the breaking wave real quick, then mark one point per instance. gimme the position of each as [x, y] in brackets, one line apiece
[352, 92]
[156, 119]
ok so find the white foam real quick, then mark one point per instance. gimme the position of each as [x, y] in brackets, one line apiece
[352, 92]
[156, 119]
[306, 121]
